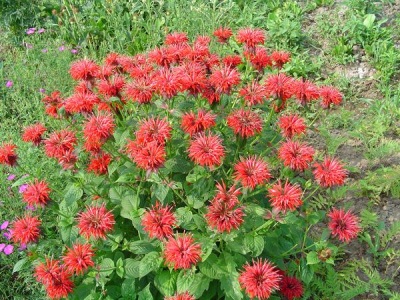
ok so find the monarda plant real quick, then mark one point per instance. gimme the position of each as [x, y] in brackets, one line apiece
[187, 176]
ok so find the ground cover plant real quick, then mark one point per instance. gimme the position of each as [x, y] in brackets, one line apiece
[157, 198]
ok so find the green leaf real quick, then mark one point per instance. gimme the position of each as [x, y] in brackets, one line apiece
[312, 258]
[184, 281]
[200, 283]
[120, 267]
[20, 265]
[73, 194]
[369, 20]
[129, 204]
[210, 267]
[184, 217]
[254, 243]
[165, 282]
[306, 273]
[132, 268]
[145, 294]
[141, 247]
[161, 192]
[178, 165]
[128, 289]
[150, 262]
[106, 267]
[231, 287]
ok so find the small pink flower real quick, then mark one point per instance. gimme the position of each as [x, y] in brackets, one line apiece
[61, 48]
[11, 177]
[2, 246]
[23, 188]
[9, 83]
[22, 247]
[74, 51]
[30, 207]
[42, 91]
[8, 249]
[41, 30]
[4, 225]
[44, 50]
[30, 31]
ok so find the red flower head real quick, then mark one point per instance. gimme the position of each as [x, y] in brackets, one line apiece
[251, 171]
[140, 90]
[67, 160]
[192, 77]
[149, 156]
[279, 86]
[279, 58]
[99, 163]
[111, 87]
[223, 34]
[33, 133]
[7, 154]
[79, 258]
[343, 224]
[254, 93]
[291, 287]
[59, 143]
[250, 37]
[167, 82]
[45, 272]
[291, 125]
[37, 193]
[295, 155]
[53, 102]
[260, 279]
[154, 129]
[330, 95]
[245, 123]
[329, 173]
[60, 286]
[181, 296]
[95, 222]
[228, 196]
[259, 58]
[286, 197]
[84, 69]
[99, 127]
[81, 103]
[206, 150]
[176, 38]
[193, 124]
[158, 221]
[26, 230]
[305, 91]
[163, 56]
[232, 61]
[224, 78]
[224, 215]
[211, 95]
[182, 252]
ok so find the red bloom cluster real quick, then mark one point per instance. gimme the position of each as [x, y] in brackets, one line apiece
[330, 172]
[99, 163]
[34, 133]
[7, 154]
[245, 123]
[224, 214]
[279, 58]
[26, 229]
[158, 221]
[96, 131]
[254, 93]
[182, 252]
[95, 222]
[223, 34]
[79, 258]
[251, 171]
[286, 197]
[296, 155]
[291, 125]
[291, 287]
[193, 124]
[250, 37]
[84, 69]
[343, 224]
[206, 150]
[60, 145]
[55, 278]
[53, 103]
[37, 193]
[260, 279]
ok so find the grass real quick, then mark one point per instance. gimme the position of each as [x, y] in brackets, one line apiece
[325, 49]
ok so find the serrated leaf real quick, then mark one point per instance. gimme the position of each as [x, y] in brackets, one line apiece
[161, 192]
[141, 247]
[132, 268]
[150, 262]
[200, 284]
[106, 267]
[73, 194]
[120, 267]
[254, 244]
[20, 265]
[210, 267]
[178, 165]
[165, 282]
[145, 294]
[369, 20]
[128, 289]
[184, 281]
[129, 204]
[312, 258]
[231, 287]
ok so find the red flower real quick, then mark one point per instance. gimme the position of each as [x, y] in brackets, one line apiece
[279, 86]
[250, 37]
[279, 58]
[79, 258]
[192, 77]
[67, 160]
[223, 34]
[193, 124]
[26, 230]
[329, 173]
[305, 91]
[224, 215]
[154, 129]
[228, 196]
[211, 95]
[158, 221]
[7, 154]
[45, 272]
[81, 103]
[99, 128]
[245, 123]
[254, 93]
[140, 90]
[295, 155]
[181, 296]
[251, 171]
[176, 38]
[163, 56]
[224, 78]
[287, 197]
[111, 87]
[343, 224]
[60, 286]
[149, 156]
[37, 193]
[291, 125]
[182, 252]
[33, 133]
[84, 69]
[232, 61]
[291, 287]
[259, 279]
[167, 82]
[59, 143]
[259, 58]
[206, 150]
[95, 222]
[330, 95]
[99, 163]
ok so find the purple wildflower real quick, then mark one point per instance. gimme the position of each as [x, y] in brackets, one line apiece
[42, 91]
[30, 30]
[9, 83]
[41, 30]
[22, 188]
[30, 207]
[74, 51]
[4, 225]
[8, 234]
[2, 246]
[11, 177]
[8, 249]
[44, 50]
[61, 48]
[22, 247]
